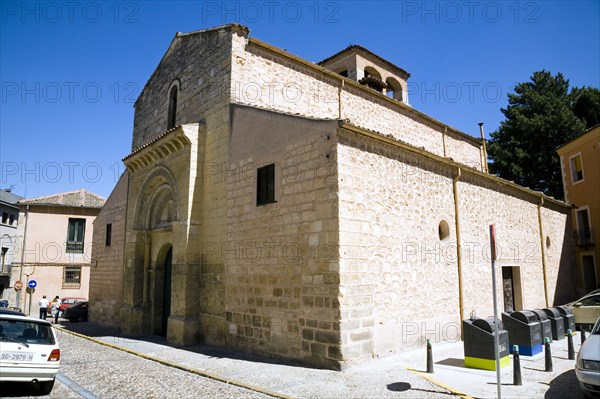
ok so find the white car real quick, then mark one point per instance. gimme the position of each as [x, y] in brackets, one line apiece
[587, 368]
[586, 310]
[29, 351]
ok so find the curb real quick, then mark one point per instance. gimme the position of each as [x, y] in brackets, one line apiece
[180, 367]
[440, 384]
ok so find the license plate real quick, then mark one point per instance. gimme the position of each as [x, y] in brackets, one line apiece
[16, 357]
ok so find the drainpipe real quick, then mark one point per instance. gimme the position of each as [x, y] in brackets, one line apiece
[22, 256]
[458, 247]
[444, 139]
[485, 162]
[539, 207]
[340, 99]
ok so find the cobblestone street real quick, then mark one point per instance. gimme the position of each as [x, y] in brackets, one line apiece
[91, 370]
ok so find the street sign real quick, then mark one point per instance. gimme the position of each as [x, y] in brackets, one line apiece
[32, 284]
[18, 285]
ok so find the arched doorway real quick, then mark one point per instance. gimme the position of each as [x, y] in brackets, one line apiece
[166, 302]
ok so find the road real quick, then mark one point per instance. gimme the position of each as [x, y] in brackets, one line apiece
[91, 370]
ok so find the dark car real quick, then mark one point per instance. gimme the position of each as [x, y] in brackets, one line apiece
[11, 311]
[67, 302]
[77, 312]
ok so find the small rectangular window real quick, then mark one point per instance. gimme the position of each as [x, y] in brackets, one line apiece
[265, 185]
[4, 217]
[72, 277]
[576, 168]
[75, 235]
[108, 234]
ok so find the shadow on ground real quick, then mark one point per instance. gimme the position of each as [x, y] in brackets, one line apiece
[17, 390]
[116, 336]
[405, 386]
[565, 386]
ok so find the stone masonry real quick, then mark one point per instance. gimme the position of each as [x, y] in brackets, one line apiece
[377, 234]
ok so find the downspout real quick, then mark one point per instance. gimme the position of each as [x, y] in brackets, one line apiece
[340, 99]
[539, 207]
[444, 139]
[23, 256]
[484, 165]
[461, 309]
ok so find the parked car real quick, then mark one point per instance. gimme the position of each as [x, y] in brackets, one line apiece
[77, 312]
[29, 352]
[67, 302]
[586, 310]
[3, 303]
[11, 311]
[587, 367]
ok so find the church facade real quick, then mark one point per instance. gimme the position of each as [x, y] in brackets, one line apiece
[306, 211]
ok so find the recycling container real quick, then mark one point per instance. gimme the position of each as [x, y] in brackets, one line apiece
[556, 322]
[479, 340]
[567, 316]
[525, 331]
[545, 322]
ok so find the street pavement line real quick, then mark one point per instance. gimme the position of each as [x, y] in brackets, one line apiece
[440, 384]
[184, 368]
[75, 387]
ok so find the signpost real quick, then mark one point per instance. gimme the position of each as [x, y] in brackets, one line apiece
[31, 284]
[496, 334]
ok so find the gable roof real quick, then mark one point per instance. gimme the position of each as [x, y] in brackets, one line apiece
[79, 198]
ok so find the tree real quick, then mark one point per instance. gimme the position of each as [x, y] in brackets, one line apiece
[539, 118]
[586, 105]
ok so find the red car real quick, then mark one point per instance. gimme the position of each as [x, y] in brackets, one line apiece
[67, 302]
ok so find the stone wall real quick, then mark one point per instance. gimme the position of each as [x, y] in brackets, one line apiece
[106, 274]
[200, 63]
[266, 79]
[399, 277]
[281, 280]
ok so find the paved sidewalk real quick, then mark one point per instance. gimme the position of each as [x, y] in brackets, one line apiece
[398, 376]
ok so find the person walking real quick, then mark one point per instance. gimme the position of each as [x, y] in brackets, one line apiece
[55, 308]
[43, 308]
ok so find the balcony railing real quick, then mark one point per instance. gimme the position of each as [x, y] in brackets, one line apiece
[584, 237]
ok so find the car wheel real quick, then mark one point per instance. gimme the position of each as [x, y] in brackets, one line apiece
[45, 387]
[74, 320]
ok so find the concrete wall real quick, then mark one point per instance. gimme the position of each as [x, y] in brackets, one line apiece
[45, 252]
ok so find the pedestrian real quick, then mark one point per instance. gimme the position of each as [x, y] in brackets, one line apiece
[55, 308]
[43, 308]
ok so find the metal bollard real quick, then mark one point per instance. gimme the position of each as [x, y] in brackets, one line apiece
[570, 345]
[429, 357]
[548, 354]
[517, 380]
[582, 336]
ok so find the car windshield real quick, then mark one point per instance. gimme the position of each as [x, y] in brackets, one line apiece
[26, 332]
[596, 329]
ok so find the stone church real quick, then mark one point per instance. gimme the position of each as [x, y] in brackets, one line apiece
[306, 211]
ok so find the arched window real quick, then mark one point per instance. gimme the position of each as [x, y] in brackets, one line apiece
[172, 115]
[393, 89]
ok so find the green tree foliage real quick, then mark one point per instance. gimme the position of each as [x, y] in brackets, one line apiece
[586, 105]
[539, 118]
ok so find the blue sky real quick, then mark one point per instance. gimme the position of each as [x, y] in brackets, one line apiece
[71, 71]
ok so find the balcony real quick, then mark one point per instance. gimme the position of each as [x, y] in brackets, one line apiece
[584, 237]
